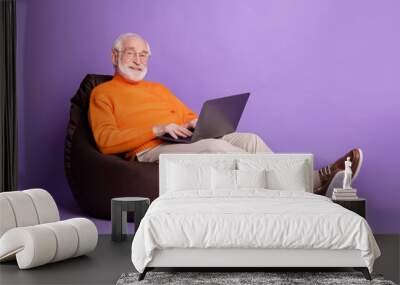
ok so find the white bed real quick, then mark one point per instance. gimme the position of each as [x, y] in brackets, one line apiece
[202, 220]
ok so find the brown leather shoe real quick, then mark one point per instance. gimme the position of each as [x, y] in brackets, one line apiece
[327, 173]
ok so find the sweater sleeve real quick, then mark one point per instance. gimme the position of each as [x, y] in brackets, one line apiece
[109, 138]
[185, 112]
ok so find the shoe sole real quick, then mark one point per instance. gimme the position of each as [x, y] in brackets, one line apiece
[359, 164]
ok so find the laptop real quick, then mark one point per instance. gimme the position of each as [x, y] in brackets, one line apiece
[218, 117]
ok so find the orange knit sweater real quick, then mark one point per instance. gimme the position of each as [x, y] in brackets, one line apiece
[122, 114]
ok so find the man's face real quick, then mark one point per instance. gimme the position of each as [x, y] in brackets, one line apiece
[131, 60]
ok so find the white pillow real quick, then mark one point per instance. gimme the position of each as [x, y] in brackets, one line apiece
[290, 179]
[236, 179]
[282, 174]
[251, 178]
[223, 179]
[183, 178]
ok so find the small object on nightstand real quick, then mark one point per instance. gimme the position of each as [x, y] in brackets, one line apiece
[119, 209]
[355, 205]
[344, 194]
[348, 173]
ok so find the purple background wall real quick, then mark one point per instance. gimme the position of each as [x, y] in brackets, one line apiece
[324, 77]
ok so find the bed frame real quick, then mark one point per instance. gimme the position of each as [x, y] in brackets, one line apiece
[242, 258]
[256, 258]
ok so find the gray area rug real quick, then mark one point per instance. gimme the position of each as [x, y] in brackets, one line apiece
[273, 278]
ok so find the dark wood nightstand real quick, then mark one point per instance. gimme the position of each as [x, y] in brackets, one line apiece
[357, 206]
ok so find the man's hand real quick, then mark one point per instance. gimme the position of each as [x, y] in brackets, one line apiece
[191, 124]
[173, 129]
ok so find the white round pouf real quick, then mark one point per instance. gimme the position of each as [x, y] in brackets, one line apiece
[87, 233]
[6, 216]
[45, 205]
[31, 233]
[32, 246]
[37, 245]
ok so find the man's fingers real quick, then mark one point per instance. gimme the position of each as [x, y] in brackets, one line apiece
[186, 131]
[172, 133]
[180, 133]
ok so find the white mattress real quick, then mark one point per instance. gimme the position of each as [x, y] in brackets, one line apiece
[250, 219]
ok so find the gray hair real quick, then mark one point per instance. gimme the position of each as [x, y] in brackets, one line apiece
[118, 42]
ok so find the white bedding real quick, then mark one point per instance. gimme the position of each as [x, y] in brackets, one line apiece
[250, 218]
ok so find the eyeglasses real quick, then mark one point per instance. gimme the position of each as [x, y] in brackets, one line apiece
[132, 54]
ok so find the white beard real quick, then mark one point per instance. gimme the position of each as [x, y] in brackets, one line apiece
[130, 74]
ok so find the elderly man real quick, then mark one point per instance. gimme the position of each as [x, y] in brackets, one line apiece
[127, 114]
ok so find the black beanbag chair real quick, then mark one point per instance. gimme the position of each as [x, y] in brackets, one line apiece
[95, 178]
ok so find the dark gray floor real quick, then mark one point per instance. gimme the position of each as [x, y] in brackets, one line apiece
[102, 266]
[110, 260]
[389, 262]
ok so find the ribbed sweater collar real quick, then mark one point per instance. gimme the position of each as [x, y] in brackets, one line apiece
[118, 78]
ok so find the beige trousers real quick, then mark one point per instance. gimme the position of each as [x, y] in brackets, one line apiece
[231, 143]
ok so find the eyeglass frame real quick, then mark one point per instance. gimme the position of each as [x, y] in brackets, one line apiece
[142, 56]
